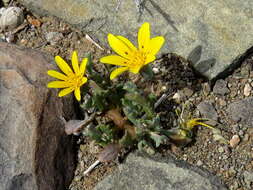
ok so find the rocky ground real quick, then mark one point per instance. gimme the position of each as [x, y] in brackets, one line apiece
[228, 101]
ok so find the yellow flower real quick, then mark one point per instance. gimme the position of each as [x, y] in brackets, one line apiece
[70, 81]
[129, 57]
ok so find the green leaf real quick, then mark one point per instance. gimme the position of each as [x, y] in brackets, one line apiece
[89, 66]
[135, 105]
[158, 139]
[147, 72]
[126, 140]
[146, 147]
[130, 87]
[103, 134]
[87, 104]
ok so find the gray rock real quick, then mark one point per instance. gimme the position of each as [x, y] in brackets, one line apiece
[209, 30]
[220, 87]
[11, 17]
[207, 110]
[156, 173]
[241, 111]
[35, 153]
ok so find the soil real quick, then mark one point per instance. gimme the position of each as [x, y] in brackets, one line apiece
[173, 75]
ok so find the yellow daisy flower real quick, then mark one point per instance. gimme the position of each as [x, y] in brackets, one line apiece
[70, 81]
[129, 57]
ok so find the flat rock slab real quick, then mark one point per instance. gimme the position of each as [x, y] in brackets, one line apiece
[149, 173]
[215, 33]
[35, 152]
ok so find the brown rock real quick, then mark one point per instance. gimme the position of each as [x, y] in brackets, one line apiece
[247, 89]
[234, 141]
[35, 153]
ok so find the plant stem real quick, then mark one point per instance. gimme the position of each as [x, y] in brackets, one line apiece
[91, 167]
[161, 99]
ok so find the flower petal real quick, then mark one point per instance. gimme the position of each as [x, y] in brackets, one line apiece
[127, 42]
[150, 58]
[135, 69]
[63, 65]
[75, 63]
[57, 75]
[114, 60]
[84, 80]
[117, 72]
[144, 36]
[155, 44]
[83, 66]
[119, 46]
[66, 91]
[58, 84]
[77, 94]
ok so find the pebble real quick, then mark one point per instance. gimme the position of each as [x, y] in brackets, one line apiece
[207, 110]
[81, 165]
[23, 41]
[155, 70]
[220, 87]
[235, 186]
[11, 17]
[248, 178]
[164, 88]
[221, 149]
[206, 88]
[233, 93]
[245, 71]
[234, 141]
[82, 147]
[199, 163]
[78, 178]
[188, 92]
[246, 137]
[53, 37]
[235, 128]
[10, 38]
[177, 97]
[247, 89]
[227, 150]
[222, 102]
[93, 148]
[224, 157]
[241, 133]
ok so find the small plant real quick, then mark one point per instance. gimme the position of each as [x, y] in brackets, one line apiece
[119, 114]
[183, 134]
